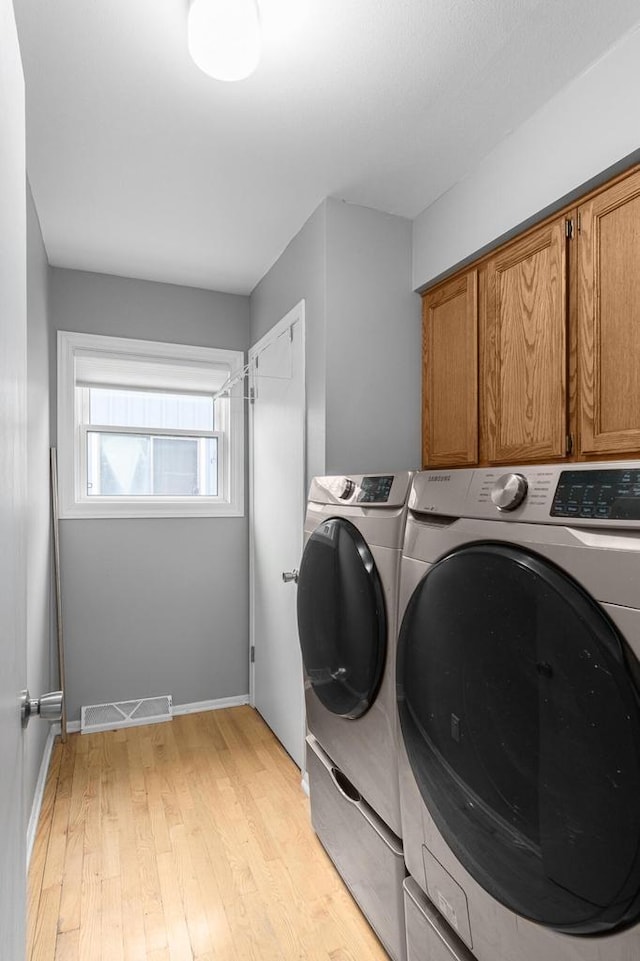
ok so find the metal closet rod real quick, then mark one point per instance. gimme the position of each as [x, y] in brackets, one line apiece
[243, 372]
[231, 380]
[240, 375]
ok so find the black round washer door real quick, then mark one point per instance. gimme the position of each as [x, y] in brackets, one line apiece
[521, 720]
[341, 618]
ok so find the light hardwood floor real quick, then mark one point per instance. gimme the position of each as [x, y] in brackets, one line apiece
[185, 841]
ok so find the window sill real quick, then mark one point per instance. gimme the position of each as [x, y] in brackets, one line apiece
[106, 510]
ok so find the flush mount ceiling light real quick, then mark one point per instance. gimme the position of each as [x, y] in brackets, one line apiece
[224, 37]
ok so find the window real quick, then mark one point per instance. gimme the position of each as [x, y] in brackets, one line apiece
[142, 432]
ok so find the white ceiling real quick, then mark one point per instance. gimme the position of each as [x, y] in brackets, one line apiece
[142, 166]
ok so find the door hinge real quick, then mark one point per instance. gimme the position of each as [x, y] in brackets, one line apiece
[569, 444]
[252, 395]
[252, 654]
[568, 225]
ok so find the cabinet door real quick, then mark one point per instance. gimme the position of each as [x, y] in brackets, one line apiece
[526, 348]
[609, 320]
[450, 373]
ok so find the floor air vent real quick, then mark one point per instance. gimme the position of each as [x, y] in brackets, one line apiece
[107, 717]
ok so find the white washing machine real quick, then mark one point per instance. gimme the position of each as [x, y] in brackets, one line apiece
[519, 703]
[347, 624]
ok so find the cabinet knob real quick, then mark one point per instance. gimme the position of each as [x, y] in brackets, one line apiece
[509, 491]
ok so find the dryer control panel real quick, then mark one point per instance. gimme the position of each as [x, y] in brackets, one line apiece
[612, 494]
[375, 490]
[362, 490]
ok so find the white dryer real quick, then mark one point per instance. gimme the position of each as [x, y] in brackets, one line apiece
[347, 624]
[519, 701]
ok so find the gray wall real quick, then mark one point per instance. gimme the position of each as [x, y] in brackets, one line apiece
[588, 127]
[352, 266]
[300, 274]
[153, 606]
[374, 368]
[40, 676]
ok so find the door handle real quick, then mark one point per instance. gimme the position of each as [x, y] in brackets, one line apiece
[288, 576]
[48, 707]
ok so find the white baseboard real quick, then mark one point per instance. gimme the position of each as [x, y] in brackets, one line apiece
[238, 700]
[196, 707]
[38, 796]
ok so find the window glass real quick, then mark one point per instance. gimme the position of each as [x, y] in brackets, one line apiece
[123, 464]
[175, 466]
[138, 408]
[134, 465]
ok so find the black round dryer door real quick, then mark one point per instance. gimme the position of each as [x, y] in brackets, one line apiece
[521, 719]
[341, 618]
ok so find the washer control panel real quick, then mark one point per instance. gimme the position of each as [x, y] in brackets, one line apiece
[509, 491]
[610, 494]
[585, 495]
[496, 492]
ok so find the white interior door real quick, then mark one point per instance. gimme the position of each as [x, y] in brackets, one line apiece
[13, 329]
[277, 426]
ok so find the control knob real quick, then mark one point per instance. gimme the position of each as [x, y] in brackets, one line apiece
[509, 491]
[348, 487]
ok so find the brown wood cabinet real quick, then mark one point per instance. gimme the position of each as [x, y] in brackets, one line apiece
[450, 373]
[609, 320]
[526, 353]
[533, 353]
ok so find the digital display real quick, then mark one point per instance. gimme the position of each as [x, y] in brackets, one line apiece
[375, 490]
[599, 494]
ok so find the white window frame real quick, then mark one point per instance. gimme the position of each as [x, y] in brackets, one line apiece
[72, 428]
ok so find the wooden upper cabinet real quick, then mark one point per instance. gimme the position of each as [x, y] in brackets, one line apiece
[450, 373]
[525, 349]
[609, 320]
